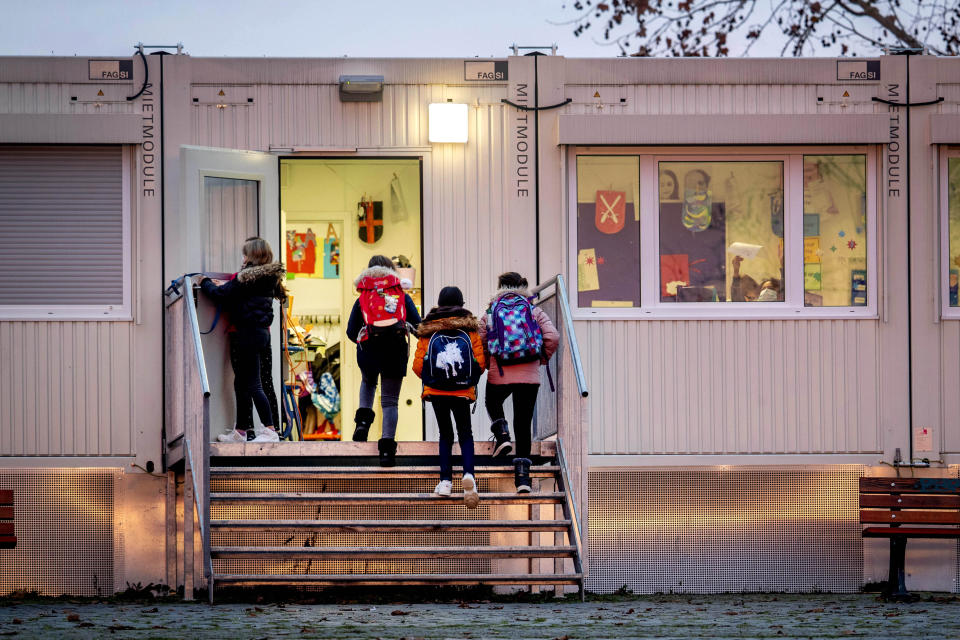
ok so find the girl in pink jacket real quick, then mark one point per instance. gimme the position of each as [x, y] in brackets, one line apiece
[520, 380]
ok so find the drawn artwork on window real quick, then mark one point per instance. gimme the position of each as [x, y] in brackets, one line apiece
[953, 243]
[608, 231]
[835, 230]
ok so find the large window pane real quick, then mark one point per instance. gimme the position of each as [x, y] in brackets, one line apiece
[835, 230]
[721, 231]
[953, 184]
[608, 231]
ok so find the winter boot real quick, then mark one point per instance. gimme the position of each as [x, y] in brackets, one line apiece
[388, 449]
[501, 435]
[521, 474]
[364, 419]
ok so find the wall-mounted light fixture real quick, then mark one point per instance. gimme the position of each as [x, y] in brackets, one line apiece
[361, 88]
[448, 122]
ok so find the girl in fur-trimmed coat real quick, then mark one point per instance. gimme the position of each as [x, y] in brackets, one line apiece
[248, 300]
[449, 315]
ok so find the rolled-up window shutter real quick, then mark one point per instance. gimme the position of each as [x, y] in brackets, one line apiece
[61, 225]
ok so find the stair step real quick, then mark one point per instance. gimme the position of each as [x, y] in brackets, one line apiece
[388, 579]
[380, 553]
[341, 449]
[383, 498]
[309, 473]
[389, 525]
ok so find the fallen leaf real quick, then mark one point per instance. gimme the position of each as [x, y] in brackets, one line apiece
[465, 605]
[86, 624]
[120, 627]
[154, 610]
[819, 610]
[17, 621]
[629, 612]
[73, 618]
[398, 612]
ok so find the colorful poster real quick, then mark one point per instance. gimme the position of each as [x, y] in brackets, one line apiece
[611, 211]
[811, 224]
[587, 277]
[674, 272]
[331, 254]
[301, 252]
[811, 250]
[858, 287]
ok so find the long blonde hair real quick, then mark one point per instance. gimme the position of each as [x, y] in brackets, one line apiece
[257, 251]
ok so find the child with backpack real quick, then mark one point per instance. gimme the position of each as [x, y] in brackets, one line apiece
[378, 325]
[248, 300]
[450, 361]
[517, 337]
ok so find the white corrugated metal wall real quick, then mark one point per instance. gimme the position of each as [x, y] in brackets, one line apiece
[726, 387]
[78, 388]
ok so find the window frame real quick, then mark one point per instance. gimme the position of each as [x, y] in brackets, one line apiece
[105, 312]
[946, 311]
[651, 308]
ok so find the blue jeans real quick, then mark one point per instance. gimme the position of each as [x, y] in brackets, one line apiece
[389, 399]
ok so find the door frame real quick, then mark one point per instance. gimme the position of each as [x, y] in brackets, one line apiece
[399, 153]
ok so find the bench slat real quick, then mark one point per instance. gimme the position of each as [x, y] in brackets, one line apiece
[6, 529]
[911, 532]
[8, 542]
[909, 485]
[6, 513]
[910, 517]
[909, 501]
[6, 496]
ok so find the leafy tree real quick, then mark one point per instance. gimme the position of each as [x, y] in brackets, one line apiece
[826, 27]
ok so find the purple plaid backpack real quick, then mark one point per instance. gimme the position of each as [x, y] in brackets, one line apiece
[513, 335]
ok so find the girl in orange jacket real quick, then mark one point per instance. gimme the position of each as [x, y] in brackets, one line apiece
[450, 360]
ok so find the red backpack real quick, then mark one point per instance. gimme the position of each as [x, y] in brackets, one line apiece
[383, 304]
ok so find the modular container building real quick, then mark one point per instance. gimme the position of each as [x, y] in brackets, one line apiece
[761, 258]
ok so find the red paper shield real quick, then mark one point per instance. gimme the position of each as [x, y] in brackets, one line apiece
[611, 211]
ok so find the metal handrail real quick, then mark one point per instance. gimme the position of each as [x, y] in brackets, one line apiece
[195, 330]
[568, 329]
[568, 487]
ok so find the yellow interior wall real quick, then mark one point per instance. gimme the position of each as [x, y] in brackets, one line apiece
[325, 190]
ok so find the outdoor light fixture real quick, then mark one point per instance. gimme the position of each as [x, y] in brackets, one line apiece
[361, 88]
[448, 122]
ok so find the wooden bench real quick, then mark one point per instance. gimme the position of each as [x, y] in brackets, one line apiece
[908, 508]
[8, 539]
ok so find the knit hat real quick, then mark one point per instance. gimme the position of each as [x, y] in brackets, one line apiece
[450, 297]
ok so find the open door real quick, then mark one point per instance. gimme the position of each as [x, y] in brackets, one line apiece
[226, 196]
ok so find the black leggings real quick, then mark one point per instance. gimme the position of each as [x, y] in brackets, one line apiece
[252, 361]
[443, 407]
[524, 401]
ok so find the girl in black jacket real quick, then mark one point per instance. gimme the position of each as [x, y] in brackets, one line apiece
[248, 300]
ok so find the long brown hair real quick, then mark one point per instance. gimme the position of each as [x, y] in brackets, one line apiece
[257, 251]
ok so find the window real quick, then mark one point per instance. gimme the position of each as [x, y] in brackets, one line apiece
[713, 232]
[608, 231]
[950, 190]
[64, 232]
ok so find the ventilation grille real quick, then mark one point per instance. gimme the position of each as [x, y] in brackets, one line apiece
[718, 530]
[64, 523]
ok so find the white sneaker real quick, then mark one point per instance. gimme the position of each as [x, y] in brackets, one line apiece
[232, 436]
[470, 496]
[265, 435]
[444, 488]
